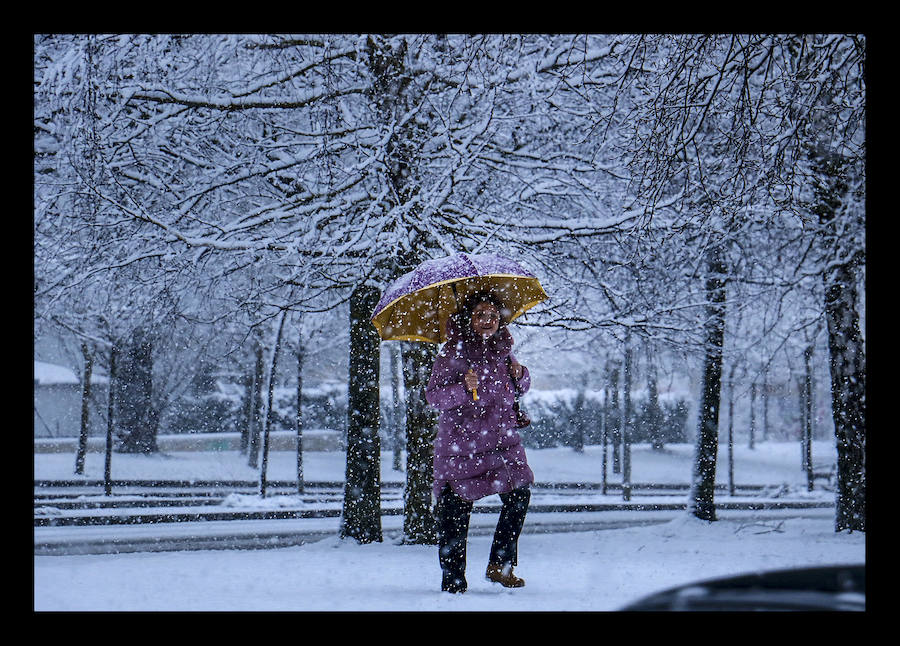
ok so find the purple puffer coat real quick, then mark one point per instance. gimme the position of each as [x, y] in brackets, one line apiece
[477, 451]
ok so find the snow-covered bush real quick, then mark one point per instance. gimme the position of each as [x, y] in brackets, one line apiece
[570, 418]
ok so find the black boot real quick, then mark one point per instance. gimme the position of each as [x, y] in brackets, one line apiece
[453, 583]
[452, 514]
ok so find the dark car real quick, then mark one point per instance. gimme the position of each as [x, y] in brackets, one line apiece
[837, 588]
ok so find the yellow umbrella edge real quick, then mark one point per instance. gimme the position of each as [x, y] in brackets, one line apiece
[378, 321]
[454, 280]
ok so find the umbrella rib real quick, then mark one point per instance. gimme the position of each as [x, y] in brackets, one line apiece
[524, 309]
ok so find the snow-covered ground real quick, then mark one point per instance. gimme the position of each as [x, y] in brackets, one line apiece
[585, 571]
[767, 463]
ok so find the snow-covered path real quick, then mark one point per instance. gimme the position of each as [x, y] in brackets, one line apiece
[589, 571]
[583, 571]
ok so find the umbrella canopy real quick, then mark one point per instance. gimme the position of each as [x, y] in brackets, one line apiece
[417, 305]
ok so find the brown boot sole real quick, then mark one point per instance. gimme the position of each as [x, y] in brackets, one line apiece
[508, 581]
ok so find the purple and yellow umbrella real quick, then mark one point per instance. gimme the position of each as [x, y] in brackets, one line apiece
[417, 305]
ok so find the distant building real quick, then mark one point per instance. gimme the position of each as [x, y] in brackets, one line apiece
[57, 402]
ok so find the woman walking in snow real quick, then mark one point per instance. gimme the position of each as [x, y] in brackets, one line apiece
[478, 451]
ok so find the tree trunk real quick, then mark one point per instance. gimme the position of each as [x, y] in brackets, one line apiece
[110, 418]
[605, 439]
[654, 412]
[807, 417]
[85, 413]
[270, 406]
[419, 526]
[801, 408]
[613, 417]
[847, 354]
[244, 414]
[396, 432]
[731, 430]
[848, 398]
[752, 416]
[138, 417]
[255, 407]
[299, 417]
[577, 419]
[361, 516]
[626, 421]
[702, 501]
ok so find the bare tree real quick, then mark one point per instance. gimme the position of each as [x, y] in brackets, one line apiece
[743, 130]
[241, 176]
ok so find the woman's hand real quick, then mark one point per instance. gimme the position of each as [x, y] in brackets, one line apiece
[516, 370]
[471, 380]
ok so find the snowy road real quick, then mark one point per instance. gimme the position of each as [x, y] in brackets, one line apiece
[232, 565]
[254, 528]
[212, 501]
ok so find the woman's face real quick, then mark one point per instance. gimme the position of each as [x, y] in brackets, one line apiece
[485, 320]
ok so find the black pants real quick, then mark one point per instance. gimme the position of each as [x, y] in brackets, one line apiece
[453, 513]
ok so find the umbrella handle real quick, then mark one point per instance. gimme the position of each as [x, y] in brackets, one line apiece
[474, 394]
